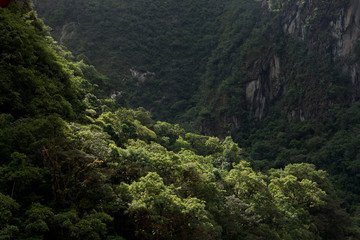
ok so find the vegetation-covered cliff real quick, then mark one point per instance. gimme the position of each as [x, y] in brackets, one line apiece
[76, 164]
[217, 63]
[280, 77]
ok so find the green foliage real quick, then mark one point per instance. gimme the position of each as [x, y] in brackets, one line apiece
[29, 135]
[17, 177]
[7, 208]
[35, 80]
[113, 173]
[162, 41]
[167, 132]
[304, 171]
[38, 219]
[330, 146]
[92, 226]
[160, 214]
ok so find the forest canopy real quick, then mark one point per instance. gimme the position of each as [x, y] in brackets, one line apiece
[76, 164]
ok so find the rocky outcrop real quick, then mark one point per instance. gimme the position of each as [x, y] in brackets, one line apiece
[302, 84]
[141, 76]
[67, 32]
[293, 22]
[307, 21]
[343, 25]
[346, 29]
[266, 85]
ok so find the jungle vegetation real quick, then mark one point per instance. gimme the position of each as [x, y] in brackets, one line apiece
[78, 164]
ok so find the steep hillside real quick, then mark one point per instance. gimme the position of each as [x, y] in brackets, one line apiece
[281, 77]
[77, 166]
[215, 64]
[298, 58]
[292, 93]
[155, 50]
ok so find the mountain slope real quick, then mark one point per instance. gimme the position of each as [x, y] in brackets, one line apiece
[280, 77]
[154, 50]
[217, 63]
[104, 172]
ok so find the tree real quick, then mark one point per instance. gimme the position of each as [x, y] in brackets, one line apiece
[8, 223]
[69, 225]
[18, 174]
[159, 213]
[39, 218]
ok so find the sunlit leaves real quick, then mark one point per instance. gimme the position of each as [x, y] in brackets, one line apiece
[158, 211]
[37, 80]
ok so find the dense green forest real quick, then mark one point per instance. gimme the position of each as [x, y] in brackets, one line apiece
[280, 77]
[78, 164]
[150, 48]
[195, 62]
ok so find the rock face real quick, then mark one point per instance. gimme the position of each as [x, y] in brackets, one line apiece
[265, 86]
[67, 32]
[346, 29]
[306, 21]
[306, 65]
[141, 76]
[293, 22]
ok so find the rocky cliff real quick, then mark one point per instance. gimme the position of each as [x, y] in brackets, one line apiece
[322, 28]
[300, 57]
